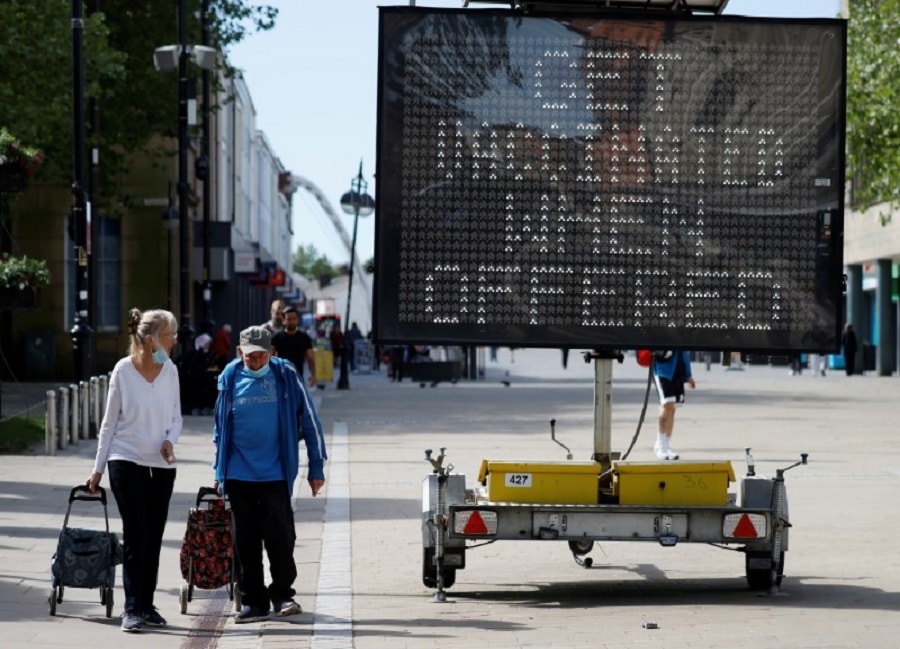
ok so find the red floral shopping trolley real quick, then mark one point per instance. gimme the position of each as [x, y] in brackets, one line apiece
[207, 554]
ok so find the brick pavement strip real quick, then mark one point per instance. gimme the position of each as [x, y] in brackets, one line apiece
[841, 583]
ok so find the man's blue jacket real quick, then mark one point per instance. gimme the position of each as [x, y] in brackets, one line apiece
[297, 417]
[665, 368]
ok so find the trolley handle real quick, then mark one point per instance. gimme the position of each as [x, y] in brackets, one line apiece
[204, 493]
[81, 492]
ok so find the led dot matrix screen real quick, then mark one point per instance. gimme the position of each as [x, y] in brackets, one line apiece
[609, 181]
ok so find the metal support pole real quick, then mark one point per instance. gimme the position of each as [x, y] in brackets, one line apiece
[344, 380]
[207, 181]
[81, 332]
[185, 333]
[50, 424]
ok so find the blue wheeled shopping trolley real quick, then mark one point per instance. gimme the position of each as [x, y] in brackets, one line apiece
[85, 558]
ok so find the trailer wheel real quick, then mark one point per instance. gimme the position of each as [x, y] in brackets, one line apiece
[429, 571]
[109, 602]
[182, 599]
[759, 570]
[580, 548]
[52, 600]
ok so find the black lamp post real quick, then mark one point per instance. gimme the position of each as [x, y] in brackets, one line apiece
[81, 332]
[358, 203]
[168, 58]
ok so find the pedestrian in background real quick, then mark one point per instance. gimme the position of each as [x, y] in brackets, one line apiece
[222, 347]
[263, 410]
[671, 370]
[295, 345]
[848, 342]
[275, 323]
[136, 443]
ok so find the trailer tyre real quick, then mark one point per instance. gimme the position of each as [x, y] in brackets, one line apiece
[580, 548]
[759, 570]
[429, 571]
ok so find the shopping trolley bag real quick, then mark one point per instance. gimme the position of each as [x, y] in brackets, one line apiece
[85, 558]
[207, 552]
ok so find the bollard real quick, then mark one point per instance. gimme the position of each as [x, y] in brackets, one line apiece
[50, 432]
[101, 398]
[85, 410]
[74, 400]
[94, 426]
[62, 439]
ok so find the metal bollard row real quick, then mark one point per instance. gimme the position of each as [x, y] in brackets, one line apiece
[74, 413]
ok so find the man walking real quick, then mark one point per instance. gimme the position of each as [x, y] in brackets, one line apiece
[671, 370]
[295, 345]
[262, 411]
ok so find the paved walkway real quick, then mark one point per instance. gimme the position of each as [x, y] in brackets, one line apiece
[359, 546]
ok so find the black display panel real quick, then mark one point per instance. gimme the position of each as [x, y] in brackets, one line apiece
[609, 181]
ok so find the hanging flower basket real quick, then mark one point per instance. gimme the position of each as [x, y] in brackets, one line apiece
[20, 278]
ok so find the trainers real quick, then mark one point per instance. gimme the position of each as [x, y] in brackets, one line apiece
[671, 454]
[251, 614]
[132, 623]
[287, 607]
[153, 618]
[661, 453]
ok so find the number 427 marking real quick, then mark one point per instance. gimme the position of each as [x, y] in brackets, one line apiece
[518, 480]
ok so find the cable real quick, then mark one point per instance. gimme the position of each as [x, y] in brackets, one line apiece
[643, 412]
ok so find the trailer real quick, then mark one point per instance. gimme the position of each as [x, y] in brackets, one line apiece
[603, 500]
[610, 176]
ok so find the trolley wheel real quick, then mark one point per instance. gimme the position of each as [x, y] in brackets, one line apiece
[190, 592]
[183, 598]
[60, 596]
[103, 593]
[238, 600]
[759, 570]
[109, 602]
[52, 600]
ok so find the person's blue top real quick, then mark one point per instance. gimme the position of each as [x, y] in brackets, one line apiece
[296, 417]
[255, 438]
[664, 365]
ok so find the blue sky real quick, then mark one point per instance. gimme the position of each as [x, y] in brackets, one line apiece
[313, 83]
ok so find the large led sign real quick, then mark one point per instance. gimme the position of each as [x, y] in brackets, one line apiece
[609, 181]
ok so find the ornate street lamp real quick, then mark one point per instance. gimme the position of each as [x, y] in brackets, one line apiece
[358, 203]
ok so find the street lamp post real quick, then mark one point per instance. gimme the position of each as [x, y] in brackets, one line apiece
[358, 203]
[170, 58]
[185, 333]
[81, 332]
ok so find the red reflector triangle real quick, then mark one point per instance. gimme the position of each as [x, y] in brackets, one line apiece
[475, 525]
[745, 528]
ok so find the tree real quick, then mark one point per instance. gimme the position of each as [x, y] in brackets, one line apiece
[309, 263]
[134, 101]
[873, 86]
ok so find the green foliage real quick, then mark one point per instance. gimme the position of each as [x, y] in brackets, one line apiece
[17, 434]
[873, 90]
[133, 102]
[309, 263]
[21, 272]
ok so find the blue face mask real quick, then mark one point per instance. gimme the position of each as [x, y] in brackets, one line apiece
[258, 374]
[160, 357]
